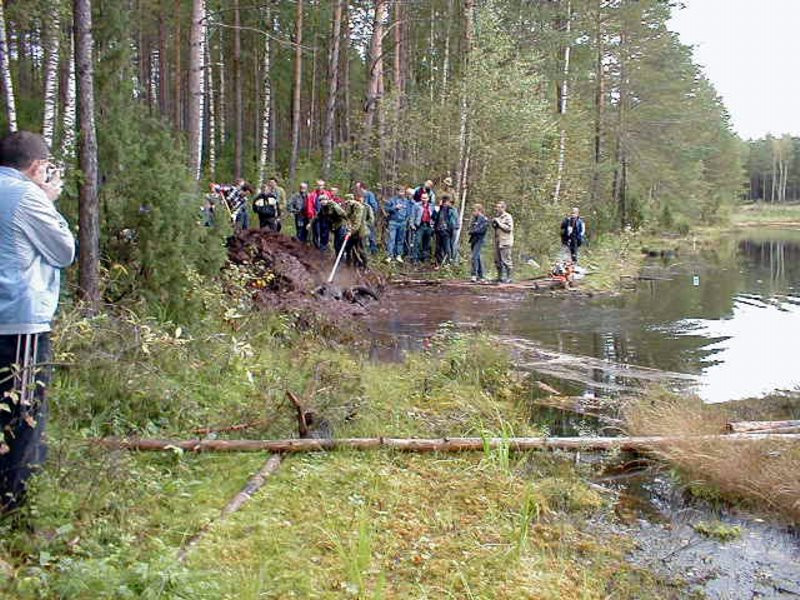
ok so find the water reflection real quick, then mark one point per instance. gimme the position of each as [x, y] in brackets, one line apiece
[738, 328]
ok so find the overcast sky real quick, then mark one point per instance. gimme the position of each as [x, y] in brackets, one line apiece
[750, 50]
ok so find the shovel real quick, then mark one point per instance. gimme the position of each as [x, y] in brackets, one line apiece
[338, 258]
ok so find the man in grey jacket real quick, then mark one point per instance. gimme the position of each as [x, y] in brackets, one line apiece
[503, 225]
[35, 244]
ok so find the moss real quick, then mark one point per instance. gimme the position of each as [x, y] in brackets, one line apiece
[718, 530]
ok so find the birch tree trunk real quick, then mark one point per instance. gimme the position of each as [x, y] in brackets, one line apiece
[163, 95]
[51, 78]
[464, 146]
[238, 104]
[196, 86]
[446, 58]
[5, 72]
[88, 205]
[298, 83]
[222, 108]
[333, 89]
[212, 110]
[68, 122]
[562, 109]
[266, 116]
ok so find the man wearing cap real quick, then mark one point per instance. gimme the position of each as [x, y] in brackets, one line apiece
[35, 244]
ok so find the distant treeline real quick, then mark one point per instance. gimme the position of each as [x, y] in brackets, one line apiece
[773, 169]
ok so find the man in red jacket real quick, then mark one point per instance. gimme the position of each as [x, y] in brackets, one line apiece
[319, 228]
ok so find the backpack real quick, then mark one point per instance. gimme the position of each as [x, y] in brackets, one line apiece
[266, 205]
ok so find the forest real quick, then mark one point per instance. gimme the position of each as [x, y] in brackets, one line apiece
[544, 104]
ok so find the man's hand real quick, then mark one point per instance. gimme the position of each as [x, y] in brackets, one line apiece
[52, 188]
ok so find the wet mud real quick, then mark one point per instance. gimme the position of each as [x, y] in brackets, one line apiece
[287, 275]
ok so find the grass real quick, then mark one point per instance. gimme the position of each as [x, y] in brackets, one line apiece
[760, 475]
[767, 214]
[328, 525]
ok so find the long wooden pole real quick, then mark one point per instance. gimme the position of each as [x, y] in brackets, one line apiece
[430, 445]
[255, 483]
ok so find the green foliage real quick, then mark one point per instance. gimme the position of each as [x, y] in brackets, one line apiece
[718, 530]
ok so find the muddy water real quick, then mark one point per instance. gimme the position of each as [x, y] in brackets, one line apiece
[723, 321]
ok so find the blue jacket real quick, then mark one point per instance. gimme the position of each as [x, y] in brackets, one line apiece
[35, 244]
[416, 219]
[371, 201]
[400, 210]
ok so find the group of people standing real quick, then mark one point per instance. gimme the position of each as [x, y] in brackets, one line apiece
[421, 225]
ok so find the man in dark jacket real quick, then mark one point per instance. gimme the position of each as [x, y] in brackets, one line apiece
[267, 206]
[297, 207]
[445, 225]
[477, 235]
[573, 230]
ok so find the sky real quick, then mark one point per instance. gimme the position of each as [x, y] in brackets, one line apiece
[750, 50]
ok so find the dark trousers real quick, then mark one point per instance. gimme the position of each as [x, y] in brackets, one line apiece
[355, 251]
[338, 239]
[22, 446]
[300, 223]
[444, 245]
[323, 233]
[270, 223]
[573, 249]
[477, 261]
[424, 237]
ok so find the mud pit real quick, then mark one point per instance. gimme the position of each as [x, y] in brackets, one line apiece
[287, 275]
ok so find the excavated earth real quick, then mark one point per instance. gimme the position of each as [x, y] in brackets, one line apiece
[289, 276]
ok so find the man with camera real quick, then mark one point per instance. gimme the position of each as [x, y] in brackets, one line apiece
[35, 244]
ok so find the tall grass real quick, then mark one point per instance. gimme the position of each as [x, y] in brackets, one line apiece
[763, 475]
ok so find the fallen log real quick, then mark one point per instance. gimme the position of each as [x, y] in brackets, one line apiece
[777, 430]
[459, 444]
[760, 426]
[255, 483]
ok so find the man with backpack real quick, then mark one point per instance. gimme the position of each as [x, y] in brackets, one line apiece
[267, 206]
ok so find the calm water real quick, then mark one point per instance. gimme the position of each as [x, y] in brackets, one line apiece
[729, 315]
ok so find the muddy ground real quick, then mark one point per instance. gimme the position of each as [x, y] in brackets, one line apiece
[287, 275]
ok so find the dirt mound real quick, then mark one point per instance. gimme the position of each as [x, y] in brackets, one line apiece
[285, 274]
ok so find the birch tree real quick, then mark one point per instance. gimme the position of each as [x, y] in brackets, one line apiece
[88, 205]
[68, 121]
[51, 76]
[562, 109]
[212, 113]
[463, 135]
[5, 73]
[238, 103]
[196, 86]
[266, 108]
